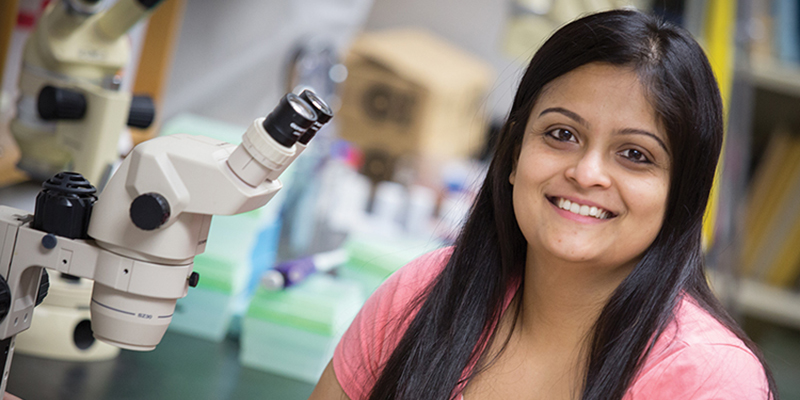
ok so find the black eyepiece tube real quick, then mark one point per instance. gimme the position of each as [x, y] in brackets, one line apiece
[290, 119]
[324, 114]
[148, 4]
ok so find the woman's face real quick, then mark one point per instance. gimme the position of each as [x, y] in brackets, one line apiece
[590, 184]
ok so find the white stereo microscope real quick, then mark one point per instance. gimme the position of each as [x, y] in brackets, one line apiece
[71, 109]
[138, 238]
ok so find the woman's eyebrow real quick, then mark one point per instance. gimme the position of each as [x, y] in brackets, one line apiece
[633, 131]
[627, 131]
[571, 115]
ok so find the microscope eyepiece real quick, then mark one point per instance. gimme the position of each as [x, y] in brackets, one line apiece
[271, 141]
[324, 114]
[148, 4]
[289, 120]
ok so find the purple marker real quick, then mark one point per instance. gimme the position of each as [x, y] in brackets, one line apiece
[292, 272]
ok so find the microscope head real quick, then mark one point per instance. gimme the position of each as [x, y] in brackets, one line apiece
[154, 215]
[72, 65]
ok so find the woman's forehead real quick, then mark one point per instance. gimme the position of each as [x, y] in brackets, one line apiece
[602, 92]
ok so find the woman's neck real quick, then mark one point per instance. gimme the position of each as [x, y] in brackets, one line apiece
[561, 301]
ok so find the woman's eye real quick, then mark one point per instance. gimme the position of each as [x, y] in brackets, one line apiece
[562, 135]
[635, 156]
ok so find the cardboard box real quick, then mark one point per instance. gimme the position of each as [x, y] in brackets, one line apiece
[410, 93]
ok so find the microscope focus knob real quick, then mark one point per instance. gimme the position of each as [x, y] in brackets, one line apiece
[44, 287]
[142, 113]
[194, 279]
[5, 298]
[57, 103]
[149, 211]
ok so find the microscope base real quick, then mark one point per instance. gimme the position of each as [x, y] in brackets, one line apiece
[61, 333]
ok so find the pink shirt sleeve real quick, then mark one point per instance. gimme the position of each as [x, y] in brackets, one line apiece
[703, 372]
[379, 326]
[698, 358]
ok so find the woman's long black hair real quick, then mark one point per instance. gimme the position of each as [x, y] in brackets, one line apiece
[458, 310]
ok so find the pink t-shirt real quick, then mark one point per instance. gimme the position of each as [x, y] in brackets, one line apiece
[695, 358]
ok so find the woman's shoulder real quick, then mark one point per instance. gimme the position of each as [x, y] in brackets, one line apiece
[698, 357]
[394, 296]
[382, 321]
[392, 301]
[415, 276]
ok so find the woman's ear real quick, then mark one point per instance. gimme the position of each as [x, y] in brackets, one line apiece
[513, 175]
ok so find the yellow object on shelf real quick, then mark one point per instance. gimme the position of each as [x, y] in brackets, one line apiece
[772, 227]
[720, 29]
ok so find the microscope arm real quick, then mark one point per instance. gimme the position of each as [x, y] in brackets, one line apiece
[148, 291]
[122, 16]
[25, 250]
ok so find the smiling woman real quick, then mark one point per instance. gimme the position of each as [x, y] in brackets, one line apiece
[579, 273]
[592, 143]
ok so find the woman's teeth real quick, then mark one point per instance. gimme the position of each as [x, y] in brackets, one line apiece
[581, 209]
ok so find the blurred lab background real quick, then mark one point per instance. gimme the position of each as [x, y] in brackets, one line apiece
[419, 90]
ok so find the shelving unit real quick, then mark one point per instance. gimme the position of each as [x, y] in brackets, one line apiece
[768, 100]
[775, 76]
[776, 101]
[777, 98]
[767, 302]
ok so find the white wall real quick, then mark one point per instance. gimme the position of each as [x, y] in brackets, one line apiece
[231, 55]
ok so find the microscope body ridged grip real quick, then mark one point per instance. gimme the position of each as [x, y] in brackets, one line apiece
[64, 205]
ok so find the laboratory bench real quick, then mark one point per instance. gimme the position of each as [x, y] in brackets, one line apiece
[184, 367]
[181, 367]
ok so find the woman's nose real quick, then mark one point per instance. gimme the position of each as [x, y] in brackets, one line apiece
[590, 170]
